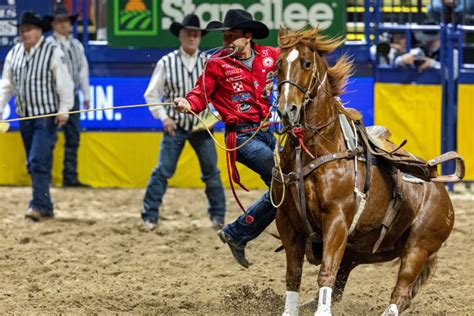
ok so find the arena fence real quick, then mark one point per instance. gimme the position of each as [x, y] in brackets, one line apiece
[433, 111]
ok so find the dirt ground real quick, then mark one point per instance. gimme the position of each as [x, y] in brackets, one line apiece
[94, 257]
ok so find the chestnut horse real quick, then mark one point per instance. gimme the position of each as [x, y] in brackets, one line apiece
[329, 196]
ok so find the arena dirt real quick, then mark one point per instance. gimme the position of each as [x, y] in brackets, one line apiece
[94, 257]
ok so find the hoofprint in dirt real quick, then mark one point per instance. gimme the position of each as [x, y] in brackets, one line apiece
[95, 257]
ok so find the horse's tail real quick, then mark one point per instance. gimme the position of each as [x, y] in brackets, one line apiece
[426, 274]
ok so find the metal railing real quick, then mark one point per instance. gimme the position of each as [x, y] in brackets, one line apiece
[364, 15]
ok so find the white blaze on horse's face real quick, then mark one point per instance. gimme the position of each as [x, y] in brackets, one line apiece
[288, 111]
[292, 56]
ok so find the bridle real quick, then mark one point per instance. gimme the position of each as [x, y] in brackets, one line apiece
[313, 81]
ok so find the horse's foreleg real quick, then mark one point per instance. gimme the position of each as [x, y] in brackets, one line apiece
[412, 263]
[341, 278]
[294, 248]
[334, 244]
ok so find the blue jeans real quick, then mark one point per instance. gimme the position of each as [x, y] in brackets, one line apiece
[170, 150]
[72, 131]
[39, 137]
[258, 156]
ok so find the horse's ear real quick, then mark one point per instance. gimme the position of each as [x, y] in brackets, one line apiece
[282, 32]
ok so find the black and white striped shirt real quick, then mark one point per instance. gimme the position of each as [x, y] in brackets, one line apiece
[75, 59]
[39, 78]
[174, 76]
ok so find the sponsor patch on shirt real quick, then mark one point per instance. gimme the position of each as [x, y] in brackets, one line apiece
[244, 106]
[268, 62]
[238, 86]
[232, 79]
[270, 75]
[240, 97]
[234, 71]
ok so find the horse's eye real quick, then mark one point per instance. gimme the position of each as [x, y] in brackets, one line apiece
[306, 63]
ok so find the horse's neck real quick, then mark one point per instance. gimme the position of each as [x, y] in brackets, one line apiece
[323, 116]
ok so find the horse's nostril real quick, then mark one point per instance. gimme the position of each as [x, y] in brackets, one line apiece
[293, 110]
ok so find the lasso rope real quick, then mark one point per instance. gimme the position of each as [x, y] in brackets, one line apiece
[4, 124]
[85, 111]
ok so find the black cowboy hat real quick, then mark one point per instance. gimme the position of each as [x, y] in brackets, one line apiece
[190, 21]
[240, 19]
[33, 18]
[60, 11]
[427, 35]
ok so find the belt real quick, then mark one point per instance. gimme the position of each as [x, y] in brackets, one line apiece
[241, 127]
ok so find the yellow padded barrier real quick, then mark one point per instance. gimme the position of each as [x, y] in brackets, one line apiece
[466, 127]
[411, 112]
[115, 159]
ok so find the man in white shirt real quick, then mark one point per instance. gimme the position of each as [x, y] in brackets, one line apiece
[176, 74]
[78, 67]
[34, 71]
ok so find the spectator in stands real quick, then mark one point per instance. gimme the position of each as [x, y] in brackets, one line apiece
[239, 83]
[176, 74]
[390, 46]
[78, 67]
[447, 11]
[35, 72]
[101, 8]
[426, 55]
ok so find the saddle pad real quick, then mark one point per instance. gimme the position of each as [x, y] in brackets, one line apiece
[411, 179]
[348, 132]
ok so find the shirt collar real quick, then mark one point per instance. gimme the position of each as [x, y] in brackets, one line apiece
[34, 48]
[62, 38]
[183, 53]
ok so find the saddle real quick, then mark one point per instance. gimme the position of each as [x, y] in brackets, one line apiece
[377, 141]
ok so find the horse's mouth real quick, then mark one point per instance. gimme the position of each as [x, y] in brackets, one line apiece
[285, 119]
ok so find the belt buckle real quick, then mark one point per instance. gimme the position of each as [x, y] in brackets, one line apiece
[263, 123]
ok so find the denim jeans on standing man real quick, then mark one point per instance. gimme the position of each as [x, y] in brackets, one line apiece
[39, 137]
[72, 131]
[170, 150]
[258, 156]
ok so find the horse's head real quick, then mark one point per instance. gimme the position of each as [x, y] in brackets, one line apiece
[303, 71]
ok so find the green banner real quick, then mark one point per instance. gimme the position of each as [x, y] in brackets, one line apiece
[145, 23]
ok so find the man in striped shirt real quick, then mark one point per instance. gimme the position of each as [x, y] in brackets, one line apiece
[78, 67]
[174, 76]
[35, 72]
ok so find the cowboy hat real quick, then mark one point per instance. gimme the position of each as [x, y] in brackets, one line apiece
[190, 21]
[240, 19]
[429, 34]
[33, 18]
[60, 11]
[426, 35]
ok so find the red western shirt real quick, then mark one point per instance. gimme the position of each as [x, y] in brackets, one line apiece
[239, 94]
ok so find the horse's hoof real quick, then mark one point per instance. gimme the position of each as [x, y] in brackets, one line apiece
[391, 310]
[323, 310]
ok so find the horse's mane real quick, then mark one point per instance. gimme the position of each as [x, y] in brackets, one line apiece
[311, 37]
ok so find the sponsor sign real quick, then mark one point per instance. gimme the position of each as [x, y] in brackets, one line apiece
[146, 23]
[8, 19]
[108, 92]
[132, 23]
